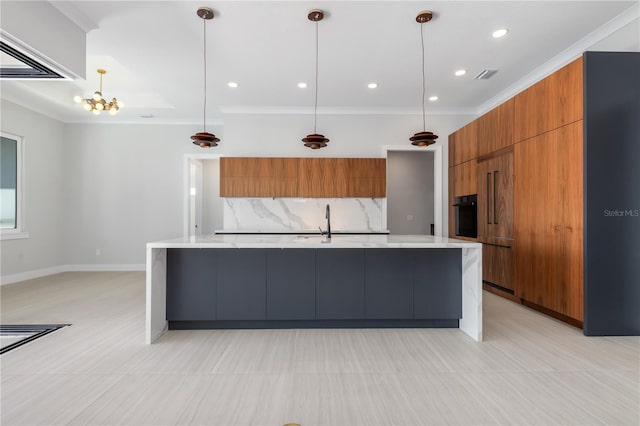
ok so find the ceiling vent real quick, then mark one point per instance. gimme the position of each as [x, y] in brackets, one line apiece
[15, 64]
[485, 74]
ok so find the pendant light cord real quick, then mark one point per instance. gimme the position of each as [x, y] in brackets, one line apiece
[424, 84]
[204, 109]
[315, 104]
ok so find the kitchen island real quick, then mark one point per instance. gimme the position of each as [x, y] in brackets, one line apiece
[305, 281]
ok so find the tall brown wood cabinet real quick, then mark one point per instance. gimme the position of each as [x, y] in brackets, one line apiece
[549, 224]
[529, 181]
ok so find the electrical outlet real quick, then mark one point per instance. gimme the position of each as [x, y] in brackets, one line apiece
[98, 252]
[409, 217]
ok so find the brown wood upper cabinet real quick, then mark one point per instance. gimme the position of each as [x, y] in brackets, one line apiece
[465, 179]
[302, 177]
[258, 177]
[551, 103]
[463, 144]
[495, 198]
[495, 128]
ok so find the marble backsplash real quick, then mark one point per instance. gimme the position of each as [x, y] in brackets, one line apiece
[302, 214]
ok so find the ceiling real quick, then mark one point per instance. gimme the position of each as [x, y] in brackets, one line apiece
[153, 54]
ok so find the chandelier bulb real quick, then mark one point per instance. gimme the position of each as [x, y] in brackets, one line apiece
[96, 102]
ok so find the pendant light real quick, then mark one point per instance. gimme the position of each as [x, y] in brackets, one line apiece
[204, 139]
[97, 102]
[423, 138]
[314, 140]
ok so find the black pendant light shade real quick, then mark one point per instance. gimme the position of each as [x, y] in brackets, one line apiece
[204, 139]
[423, 138]
[315, 140]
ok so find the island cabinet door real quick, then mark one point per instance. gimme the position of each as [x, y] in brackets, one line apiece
[291, 284]
[339, 284]
[241, 284]
[191, 284]
[389, 283]
[437, 291]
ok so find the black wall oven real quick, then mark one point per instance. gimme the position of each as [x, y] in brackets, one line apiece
[466, 208]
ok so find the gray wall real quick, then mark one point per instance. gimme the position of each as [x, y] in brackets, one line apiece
[44, 183]
[410, 192]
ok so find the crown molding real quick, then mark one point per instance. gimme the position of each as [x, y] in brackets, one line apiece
[561, 59]
[69, 10]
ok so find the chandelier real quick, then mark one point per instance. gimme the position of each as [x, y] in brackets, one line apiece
[97, 103]
[314, 140]
[204, 139]
[423, 138]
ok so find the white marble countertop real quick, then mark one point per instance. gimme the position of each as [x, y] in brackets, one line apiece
[313, 241]
[315, 231]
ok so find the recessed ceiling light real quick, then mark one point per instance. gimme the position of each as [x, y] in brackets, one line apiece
[433, 98]
[302, 85]
[372, 85]
[460, 72]
[500, 33]
[232, 84]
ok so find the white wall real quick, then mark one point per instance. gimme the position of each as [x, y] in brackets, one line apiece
[124, 188]
[44, 209]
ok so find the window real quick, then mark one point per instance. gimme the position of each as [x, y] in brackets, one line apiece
[11, 187]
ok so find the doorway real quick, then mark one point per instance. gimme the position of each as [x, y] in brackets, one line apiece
[410, 192]
[202, 208]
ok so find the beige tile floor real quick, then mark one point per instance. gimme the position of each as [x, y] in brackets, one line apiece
[530, 370]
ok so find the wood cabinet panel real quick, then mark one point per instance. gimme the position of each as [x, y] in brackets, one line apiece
[453, 146]
[548, 220]
[551, 103]
[495, 197]
[322, 177]
[497, 265]
[465, 178]
[452, 211]
[463, 144]
[258, 177]
[495, 128]
[342, 177]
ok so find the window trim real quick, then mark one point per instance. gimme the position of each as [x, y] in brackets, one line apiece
[19, 231]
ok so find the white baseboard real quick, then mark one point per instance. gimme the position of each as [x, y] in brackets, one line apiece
[30, 275]
[103, 268]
